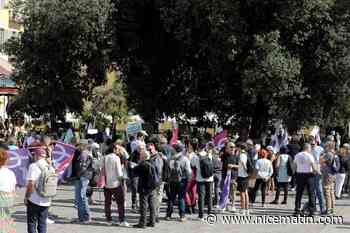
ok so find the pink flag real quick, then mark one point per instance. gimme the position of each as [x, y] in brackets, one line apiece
[175, 136]
[221, 138]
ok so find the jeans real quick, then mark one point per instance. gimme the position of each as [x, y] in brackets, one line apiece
[305, 180]
[260, 183]
[284, 186]
[318, 187]
[204, 190]
[36, 218]
[217, 183]
[159, 198]
[82, 200]
[147, 201]
[134, 183]
[177, 190]
[118, 195]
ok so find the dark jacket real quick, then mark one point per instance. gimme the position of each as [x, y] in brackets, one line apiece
[343, 164]
[84, 168]
[142, 171]
[226, 160]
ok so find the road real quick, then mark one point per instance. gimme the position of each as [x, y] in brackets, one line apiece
[64, 211]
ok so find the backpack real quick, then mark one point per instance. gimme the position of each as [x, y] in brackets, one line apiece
[95, 167]
[206, 166]
[250, 166]
[175, 171]
[46, 185]
[290, 170]
[154, 175]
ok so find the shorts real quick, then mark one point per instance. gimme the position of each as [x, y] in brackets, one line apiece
[242, 184]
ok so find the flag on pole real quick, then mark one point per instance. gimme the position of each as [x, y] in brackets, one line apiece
[62, 157]
[175, 136]
[18, 162]
[220, 139]
[225, 194]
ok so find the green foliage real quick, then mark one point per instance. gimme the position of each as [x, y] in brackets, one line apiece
[61, 54]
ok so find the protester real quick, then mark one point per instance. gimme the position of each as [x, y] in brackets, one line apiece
[329, 167]
[37, 205]
[284, 172]
[217, 164]
[230, 161]
[166, 149]
[180, 174]
[113, 190]
[305, 169]
[293, 148]
[84, 174]
[7, 194]
[203, 163]
[158, 160]
[191, 190]
[264, 173]
[242, 180]
[146, 190]
[317, 151]
[140, 140]
[341, 174]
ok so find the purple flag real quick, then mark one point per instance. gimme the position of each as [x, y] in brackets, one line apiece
[225, 194]
[62, 156]
[18, 162]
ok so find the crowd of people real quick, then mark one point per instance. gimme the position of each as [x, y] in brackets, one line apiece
[192, 174]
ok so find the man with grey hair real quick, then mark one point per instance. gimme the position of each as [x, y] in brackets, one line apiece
[305, 170]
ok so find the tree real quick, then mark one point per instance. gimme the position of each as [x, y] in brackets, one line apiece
[61, 54]
[252, 61]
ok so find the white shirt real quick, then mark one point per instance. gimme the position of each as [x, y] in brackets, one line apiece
[242, 169]
[34, 173]
[303, 162]
[316, 152]
[195, 162]
[7, 180]
[264, 167]
[113, 170]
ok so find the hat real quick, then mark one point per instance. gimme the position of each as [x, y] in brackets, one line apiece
[269, 148]
[250, 142]
[346, 145]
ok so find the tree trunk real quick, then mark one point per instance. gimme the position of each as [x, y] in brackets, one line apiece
[259, 119]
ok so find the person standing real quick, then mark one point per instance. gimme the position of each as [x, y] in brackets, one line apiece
[217, 163]
[203, 163]
[329, 167]
[146, 190]
[317, 151]
[340, 176]
[180, 174]
[158, 160]
[264, 173]
[84, 174]
[284, 173]
[242, 180]
[7, 194]
[305, 169]
[230, 161]
[37, 206]
[113, 190]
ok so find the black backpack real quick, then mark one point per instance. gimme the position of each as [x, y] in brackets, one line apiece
[250, 166]
[175, 175]
[207, 167]
[290, 170]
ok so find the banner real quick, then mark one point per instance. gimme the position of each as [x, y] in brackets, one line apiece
[62, 157]
[225, 194]
[18, 162]
[220, 139]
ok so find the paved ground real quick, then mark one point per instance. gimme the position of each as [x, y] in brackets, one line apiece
[64, 212]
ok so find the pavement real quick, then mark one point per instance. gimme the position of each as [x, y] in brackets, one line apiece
[63, 212]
